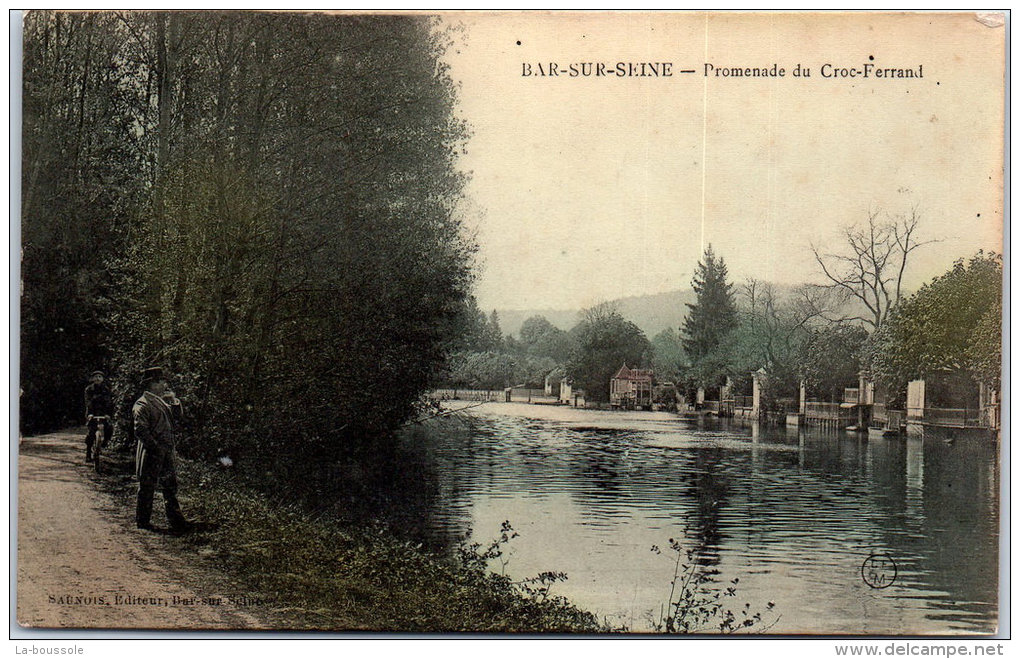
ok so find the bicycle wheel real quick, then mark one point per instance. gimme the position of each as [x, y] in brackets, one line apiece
[98, 448]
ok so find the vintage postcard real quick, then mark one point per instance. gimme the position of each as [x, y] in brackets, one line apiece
[511, 322]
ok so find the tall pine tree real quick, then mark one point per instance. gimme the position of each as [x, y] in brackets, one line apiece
[494, 333]
[714, 314]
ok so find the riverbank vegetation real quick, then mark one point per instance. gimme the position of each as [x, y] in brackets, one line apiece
[306, 571]
[332, 577]
[860, 321]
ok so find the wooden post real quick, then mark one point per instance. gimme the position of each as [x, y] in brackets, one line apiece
[756, 395]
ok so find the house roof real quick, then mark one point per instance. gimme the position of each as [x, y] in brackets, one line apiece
[633, 373]
[556, 373]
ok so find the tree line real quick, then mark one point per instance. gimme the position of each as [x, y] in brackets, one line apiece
[589, 353]
[860, 320]
[264, 204]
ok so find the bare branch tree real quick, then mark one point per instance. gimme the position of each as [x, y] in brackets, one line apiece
[777, 322]
[870, 272]
[600, 311]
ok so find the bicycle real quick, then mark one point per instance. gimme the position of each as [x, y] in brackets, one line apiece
[102, 424]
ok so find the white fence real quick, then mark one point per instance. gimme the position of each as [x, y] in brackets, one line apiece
[494, 395]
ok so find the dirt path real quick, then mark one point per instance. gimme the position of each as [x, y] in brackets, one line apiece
[82, 562]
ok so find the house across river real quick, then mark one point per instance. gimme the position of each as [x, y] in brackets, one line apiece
[631, 389]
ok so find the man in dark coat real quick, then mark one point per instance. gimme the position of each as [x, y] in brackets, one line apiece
[98, 402]
[157, 416]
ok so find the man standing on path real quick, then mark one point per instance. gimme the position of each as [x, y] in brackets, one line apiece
[157, 415]
[98, 402]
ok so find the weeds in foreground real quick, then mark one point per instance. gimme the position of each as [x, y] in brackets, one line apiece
[475, 558]
[322, 575]
[697, 604]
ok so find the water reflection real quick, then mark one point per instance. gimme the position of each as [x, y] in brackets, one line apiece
[792, 512]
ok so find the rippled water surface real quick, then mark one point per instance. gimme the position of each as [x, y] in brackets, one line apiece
[793, 515]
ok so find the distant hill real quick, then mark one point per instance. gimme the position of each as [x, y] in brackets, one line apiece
[652, 313]
[510, 320]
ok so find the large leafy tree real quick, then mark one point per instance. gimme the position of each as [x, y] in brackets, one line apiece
[603, 341]
[984, 354]
[488, 360]
[496, 370]
[831, 359]
[953, 323]
[79, 185]
[471, 330]
[774, 326]
[541, 338]
[668, 357]
[277, 197]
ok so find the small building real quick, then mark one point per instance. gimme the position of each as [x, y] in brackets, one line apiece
[716, 399]
[631, 388]
[552, 382]
[951, 399]
[569, 395]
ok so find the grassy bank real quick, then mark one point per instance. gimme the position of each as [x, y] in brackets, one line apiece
[321, 575]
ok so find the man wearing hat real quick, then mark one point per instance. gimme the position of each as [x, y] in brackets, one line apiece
[157, 415]
[98, 402]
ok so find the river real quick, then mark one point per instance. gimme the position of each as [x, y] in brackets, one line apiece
[792, 514]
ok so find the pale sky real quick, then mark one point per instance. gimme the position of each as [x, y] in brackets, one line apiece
[586, 189]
